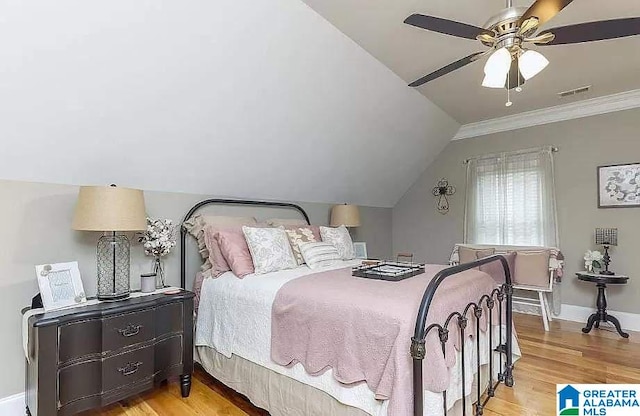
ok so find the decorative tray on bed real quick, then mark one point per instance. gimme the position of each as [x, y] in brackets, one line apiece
[388, 270]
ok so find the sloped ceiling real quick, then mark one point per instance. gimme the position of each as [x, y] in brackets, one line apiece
[243, 98]
[377, 25]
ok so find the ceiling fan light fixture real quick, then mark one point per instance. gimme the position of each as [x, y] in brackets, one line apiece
[494, 80]
[531, 63]
[497, 68]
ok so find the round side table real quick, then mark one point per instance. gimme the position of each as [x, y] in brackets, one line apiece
[601, 281]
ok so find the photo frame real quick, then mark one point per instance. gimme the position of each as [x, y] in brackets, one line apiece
[60, 285]
[360, 249]
[619, 186]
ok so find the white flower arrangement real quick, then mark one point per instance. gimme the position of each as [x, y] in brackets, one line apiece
[592, 259]
[159, 238]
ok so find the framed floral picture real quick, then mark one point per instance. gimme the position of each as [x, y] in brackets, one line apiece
[619, 186]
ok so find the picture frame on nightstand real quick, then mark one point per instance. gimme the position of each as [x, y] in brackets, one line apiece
[360, 249]
[60, 285]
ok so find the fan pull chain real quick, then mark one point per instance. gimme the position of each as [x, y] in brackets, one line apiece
[508, 103]
[519, 87]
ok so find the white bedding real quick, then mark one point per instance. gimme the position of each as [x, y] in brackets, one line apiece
[234, 317]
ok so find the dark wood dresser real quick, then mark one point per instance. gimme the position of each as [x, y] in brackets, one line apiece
[88, 357]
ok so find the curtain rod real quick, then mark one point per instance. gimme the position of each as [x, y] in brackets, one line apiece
[554, 149]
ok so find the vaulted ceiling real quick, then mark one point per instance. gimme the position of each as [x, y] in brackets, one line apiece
[377, 25]
[243, 98]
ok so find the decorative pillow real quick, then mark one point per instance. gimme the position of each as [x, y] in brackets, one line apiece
[318, 255]
[270, 249]
[297, 236]
[196, 225]
[495, 269]
[235, 251]
[277, 222]
[340, 238]
[314, 229]
[532, 268]
[216, 260]
[468, 254]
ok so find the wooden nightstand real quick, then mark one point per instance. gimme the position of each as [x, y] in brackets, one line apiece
[88, 357]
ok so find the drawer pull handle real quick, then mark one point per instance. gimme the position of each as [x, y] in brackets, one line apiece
[130, 331]
[130, 368]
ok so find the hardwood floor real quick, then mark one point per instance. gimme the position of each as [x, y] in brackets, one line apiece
[563, 355]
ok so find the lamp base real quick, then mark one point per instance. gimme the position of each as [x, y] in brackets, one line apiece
[607, 272]
[113, 268]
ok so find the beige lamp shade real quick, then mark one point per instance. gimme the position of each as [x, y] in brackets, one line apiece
[347, 215]
[109, 208]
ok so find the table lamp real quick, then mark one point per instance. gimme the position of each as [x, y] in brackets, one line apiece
[111, 209]
[607, 237]
[347, 215]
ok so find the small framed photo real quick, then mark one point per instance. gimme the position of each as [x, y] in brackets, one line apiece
[619, 186]
[60, 285]
[360, 250]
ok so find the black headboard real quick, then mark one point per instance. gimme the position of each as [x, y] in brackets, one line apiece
[183, 231]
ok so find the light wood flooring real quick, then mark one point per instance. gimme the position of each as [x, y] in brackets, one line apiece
[563, 355]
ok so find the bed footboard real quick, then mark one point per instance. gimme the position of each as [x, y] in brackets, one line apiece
[500, 298]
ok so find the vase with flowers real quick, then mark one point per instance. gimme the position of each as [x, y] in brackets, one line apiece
[158, 241]
[592, 260]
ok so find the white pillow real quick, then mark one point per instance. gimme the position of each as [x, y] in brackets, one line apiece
[270, 249]
[318, 255]
[341, 239]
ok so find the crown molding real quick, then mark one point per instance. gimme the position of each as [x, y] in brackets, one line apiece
[585, 108]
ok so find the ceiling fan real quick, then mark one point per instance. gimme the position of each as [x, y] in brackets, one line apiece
[511, 64]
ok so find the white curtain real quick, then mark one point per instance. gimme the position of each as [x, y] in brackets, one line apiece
[511, 199]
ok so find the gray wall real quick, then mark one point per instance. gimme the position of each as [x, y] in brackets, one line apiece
[584, 144]
[35, 228]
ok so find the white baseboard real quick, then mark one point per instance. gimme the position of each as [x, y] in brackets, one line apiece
[12, 405]
[628, 321]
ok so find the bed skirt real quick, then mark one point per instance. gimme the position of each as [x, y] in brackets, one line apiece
[282, 395]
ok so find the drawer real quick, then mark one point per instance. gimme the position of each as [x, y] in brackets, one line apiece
[125, 330]
[168, 354]
[79, 339]
[124, 369]
[95, 377]
[79, 381]
[169, 319]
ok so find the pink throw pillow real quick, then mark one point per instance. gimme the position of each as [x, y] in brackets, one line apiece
[233, 246]
[219, 264]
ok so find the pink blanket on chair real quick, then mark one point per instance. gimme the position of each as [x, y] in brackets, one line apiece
[362, 328]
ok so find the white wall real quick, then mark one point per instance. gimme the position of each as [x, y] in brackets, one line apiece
[248, 98]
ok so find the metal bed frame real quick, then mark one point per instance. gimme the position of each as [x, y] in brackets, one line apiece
[502, 296]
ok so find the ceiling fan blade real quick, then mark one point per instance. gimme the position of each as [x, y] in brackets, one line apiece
[449, 68]
[594, 31]
[448, 27]
[544, 10]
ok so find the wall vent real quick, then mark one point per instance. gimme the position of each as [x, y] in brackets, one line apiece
[576, 91]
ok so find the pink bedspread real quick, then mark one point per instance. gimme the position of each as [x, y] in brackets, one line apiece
[362, 328]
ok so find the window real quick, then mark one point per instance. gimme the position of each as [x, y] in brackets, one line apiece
[510, 199]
